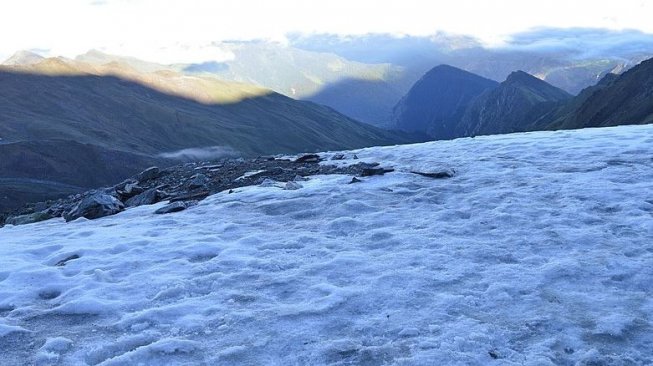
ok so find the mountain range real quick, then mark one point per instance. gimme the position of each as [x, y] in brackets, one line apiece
[55, 110]
[365, 76]
[450, 103]
[73, 124]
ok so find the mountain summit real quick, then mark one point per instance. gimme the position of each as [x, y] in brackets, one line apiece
[23, 58]
[435, 104]
[511, 107]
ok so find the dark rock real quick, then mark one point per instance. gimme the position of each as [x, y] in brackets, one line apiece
[355, 157]
[436, 175]
[190, 196]
[355, 180]
[133, 189]
[272, 171]
[197, 181]
[40, 206]
[368, 172]
[95, 206]
[149, 174]
[494, 354]
[338, 157]
[129, 190]
[173, 207]
[149, 197]
[28, 219]
[308, 158]
[63, 262]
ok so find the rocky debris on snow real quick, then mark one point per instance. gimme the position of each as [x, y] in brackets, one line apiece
[28, 218]
[338, 157]
[309, 158]
[355, 180]
[436, 175]
[197, 181]
[288, 186]
[269, 183]
[64, 261]
[186, 196]
[149, 197]
[368, 172]
[292, 186]
[174, 207]
[95, 206]
[190, 182]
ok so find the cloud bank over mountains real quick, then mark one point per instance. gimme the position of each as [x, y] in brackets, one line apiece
[169, 31]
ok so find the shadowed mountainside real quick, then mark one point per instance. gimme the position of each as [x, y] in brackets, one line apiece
[510, 107]
[125, 115]
[437, 102]
[123, 124]
[446, 103]
[616, 100]
[46, 169]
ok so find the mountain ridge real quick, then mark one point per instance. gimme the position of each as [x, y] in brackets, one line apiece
[436, 102]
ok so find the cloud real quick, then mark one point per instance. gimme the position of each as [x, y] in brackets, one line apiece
[201, 153]
[153, 29]
[583, 42]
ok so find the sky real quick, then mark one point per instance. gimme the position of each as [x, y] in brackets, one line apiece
[170, 31]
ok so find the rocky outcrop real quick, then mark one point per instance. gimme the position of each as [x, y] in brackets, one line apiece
[184, 185]
[95, 206]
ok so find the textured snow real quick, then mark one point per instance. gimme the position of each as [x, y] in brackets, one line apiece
[539, 251]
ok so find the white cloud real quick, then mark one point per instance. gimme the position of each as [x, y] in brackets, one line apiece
[178, 31]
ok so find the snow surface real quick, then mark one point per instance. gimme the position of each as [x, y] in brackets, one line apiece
[538, 252]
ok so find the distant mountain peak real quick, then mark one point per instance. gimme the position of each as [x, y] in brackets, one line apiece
[434, 105]
[448, 69]
[521, 77]
[23, 57]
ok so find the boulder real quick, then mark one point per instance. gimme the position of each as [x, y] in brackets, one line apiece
[292, 186]
[95, 206]
[28, 219]
[149, 174]
[197, 181]
[173, 207]
[368, 172]
[270, 183]
[308, 158]
[149, 197]
[436, 175]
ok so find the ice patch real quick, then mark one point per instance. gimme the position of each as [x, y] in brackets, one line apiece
[538, 251]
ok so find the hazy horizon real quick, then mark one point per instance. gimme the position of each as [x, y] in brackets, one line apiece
[176, 32]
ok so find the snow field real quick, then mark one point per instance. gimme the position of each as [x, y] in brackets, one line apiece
[538, 252]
